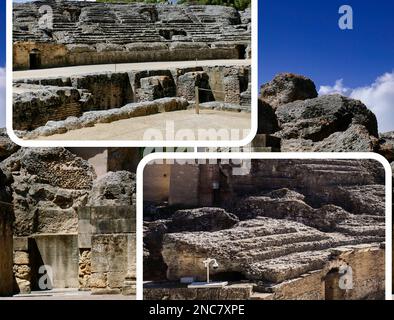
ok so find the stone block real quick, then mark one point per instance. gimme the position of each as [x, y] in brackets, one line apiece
[21, 244]
[21, 257]
[22, 272]
[84, 240]
[116, 279]
[24, 286]
[84, 213]
[61, 253]
[98, 280]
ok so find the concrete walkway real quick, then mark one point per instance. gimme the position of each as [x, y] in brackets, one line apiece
[124, 67]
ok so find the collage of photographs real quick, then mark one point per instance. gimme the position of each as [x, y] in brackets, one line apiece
[216, 150]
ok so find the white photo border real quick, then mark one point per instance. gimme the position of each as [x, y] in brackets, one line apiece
[265, 155]
[135, 143]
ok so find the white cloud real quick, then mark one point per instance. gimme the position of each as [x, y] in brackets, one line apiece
[379, 97]
[2, 97]
[338, 88]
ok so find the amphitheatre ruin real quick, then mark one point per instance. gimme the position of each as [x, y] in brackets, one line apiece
[284, 229]
[104, 71]
[67, 222]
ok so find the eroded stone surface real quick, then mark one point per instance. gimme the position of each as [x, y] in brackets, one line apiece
[133, 32]
[113, 189]
[300, 221]
[287, 87]
[48, 184]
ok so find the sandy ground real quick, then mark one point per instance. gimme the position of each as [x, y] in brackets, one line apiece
[79, 70]
[175, 125]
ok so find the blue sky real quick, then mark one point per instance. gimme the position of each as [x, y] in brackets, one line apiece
[303, 37]
[2, 61]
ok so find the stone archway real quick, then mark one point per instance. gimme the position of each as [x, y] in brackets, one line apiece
[332, 290]
[241, 51]
[35, 59]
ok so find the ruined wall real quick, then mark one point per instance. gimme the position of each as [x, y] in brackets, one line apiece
[60, 55]
[157, 182]
[58, 253]
[37, 101]
[38, 105]
[124, 159]
[134, 32]
[184, 183]
[6, 251]
[368, 265]
[96, 156]
[107, 249]
[22, 265]
[337, 181]
[52, 55]
[48, 184]
[108, 91]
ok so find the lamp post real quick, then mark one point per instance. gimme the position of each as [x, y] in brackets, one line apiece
[207, 264]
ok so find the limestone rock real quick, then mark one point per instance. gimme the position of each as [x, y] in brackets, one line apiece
[325, 218]
[21, 257]
[286, 88]
[268, 122]
[154, 266]
[24, 286]
[387, 145]
[48, 184]
[113, 189]
[202, 219]
[7, 146]
[261, 249]
[55, 166]
[327, 123]
[316, 119]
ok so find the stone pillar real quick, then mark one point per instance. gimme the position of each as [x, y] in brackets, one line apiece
[232, 86]
[22, 269]
[189, 81]
[6, 245]
[107, 249]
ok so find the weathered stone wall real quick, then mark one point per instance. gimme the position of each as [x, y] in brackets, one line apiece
[22, 265]
[124, 159]
[38, 105]
[107, 249]
[157, 182]
[368, 265]
[6, 251]
[184, 183]
[133, 33]
[41, 102]
[174, 292]
[108, 91]
[96, 156]
[48, 184]
[52, 55]
[60, 55]
[58, 253]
